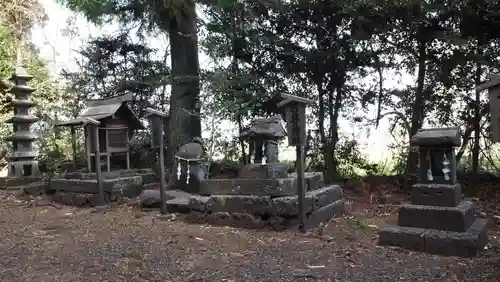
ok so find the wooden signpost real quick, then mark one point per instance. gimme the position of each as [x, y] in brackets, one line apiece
[156, 125]
[92, 127]
[295, 117]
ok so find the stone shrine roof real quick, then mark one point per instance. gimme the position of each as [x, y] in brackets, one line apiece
[99, 109]
[440, 137]
[265, 128]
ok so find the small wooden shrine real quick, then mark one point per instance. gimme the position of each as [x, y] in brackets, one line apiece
[118, 123]
[493, 86]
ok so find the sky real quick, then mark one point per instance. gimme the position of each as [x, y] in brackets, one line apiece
[59, 50]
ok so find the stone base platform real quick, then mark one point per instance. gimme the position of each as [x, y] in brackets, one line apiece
[116, 186]
[255, 211]
[122, 183]
[447, 243]
[147, 174]
[259, 187]
[457, 218]
[30, 185]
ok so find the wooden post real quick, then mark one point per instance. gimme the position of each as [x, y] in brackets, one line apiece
[93, 130]
[295, 112]
[73, 146]
[88, 150]
[108, 154]
[300, 167]
[156, 125]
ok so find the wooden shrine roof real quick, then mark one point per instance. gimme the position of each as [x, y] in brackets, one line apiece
[99, 109]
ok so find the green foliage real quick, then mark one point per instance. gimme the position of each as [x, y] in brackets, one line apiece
[115, 65]
[18, 19]
[342, 55]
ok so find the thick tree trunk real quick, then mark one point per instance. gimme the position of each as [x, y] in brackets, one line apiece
[335, 105]
[418, 108]
[477, 117]
[185, 122]
[322, 132]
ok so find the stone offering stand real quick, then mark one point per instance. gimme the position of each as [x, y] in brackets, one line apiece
[437, 220]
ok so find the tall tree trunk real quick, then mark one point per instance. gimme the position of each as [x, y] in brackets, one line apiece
[335, 105]
[185, 122]
[236, 83]
[321, 128]
[417, 117]
[477, 115]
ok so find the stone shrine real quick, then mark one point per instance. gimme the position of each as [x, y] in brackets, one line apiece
[263, 195]
[437, 220]
[189, 170]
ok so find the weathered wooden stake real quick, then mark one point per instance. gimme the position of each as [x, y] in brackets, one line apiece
[93, 129]
[73, 146]
[301, 187]
[156, 125]
[295, 112]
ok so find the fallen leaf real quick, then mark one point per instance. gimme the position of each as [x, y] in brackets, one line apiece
[315, 266]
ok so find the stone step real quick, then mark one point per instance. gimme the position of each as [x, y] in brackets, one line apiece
[259, 187]
[446, 243]
[318, 202]
[177, 201]
[446, 195]
[251, 221]
[314, 200]
[264, 205]
[457, 218]
[35, 188]
[263, 171]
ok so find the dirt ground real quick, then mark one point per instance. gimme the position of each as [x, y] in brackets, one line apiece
[54, 243]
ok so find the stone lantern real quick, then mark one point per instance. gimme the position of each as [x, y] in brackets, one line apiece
[437, 220]
[22, 162]
[263, 136]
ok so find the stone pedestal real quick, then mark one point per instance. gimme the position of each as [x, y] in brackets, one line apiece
[435, 223]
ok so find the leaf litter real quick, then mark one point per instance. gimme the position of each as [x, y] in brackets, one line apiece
[45, 243]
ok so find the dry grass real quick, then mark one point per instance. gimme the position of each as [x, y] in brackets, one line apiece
[50, 243]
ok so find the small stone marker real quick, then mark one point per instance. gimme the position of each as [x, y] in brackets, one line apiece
[295, 116]
[156, 126]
